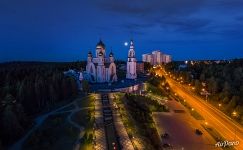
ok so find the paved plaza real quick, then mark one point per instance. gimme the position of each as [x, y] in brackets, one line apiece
[180, 126]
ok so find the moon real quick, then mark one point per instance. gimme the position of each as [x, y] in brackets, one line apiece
[125, 43]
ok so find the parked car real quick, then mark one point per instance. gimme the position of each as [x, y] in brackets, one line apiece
[165, 135]
[198, 132]
[167, 145]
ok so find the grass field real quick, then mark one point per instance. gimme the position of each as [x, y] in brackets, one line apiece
[85, 118]
[192, 111]
[55, 133]
[87, 101]
[68, 108]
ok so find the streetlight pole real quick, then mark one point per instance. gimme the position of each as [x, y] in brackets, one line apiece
[206, 93]
[234, 113]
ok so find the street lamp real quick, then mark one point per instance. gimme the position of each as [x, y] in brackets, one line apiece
[206, 123]
[206, 93]
[220, 105]
[234, 113]
[192, 109]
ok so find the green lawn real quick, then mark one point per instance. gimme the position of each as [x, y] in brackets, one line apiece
[86, 147]
[87, 101]
[67, 108]
[55, 133]
[85, 118]
[155, 90]
[192, 111]
[196, 115]
[132, 128]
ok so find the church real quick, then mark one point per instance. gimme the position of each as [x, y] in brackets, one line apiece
[101, 68]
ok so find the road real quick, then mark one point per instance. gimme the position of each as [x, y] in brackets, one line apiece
[230, 130]
[181, 127]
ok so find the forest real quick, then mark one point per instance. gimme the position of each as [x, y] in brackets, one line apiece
[28, 89]
[223, 80]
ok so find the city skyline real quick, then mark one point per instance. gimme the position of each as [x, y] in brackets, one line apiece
[66, 31]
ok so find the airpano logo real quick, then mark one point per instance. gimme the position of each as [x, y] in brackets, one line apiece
[227, 143]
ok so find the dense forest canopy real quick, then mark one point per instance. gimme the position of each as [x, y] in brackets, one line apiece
[222, 79]
[28, 88]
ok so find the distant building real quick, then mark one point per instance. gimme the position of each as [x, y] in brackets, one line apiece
[156, 58]
[147, 58]
[140, 67]
[157, 55]
[166, 58]
[182, 66]
[100, 68]
[131, 63]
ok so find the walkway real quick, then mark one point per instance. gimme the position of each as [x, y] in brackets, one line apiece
[100, 138]
[40, 120]
[121, 130]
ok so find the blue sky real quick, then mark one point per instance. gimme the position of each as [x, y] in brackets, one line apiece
[64, 30]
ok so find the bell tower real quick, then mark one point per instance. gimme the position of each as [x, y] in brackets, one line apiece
[131, 63]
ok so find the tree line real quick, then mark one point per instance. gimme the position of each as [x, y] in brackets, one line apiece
[28, 88]
[141, 108]
[223, 80]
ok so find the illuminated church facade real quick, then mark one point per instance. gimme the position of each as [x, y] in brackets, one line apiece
[101, 68]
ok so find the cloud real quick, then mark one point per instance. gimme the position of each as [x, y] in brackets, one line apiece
[185, 24]
[230, 5]
[152, 7]
[143, 15]
[132, 26]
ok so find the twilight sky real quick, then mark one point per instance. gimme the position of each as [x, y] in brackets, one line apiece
[65, 30]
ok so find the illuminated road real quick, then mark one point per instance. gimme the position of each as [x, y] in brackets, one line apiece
[230, 130]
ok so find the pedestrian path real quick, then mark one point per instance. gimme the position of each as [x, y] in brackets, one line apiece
[121, 130]
[40, 120]
[100, 138]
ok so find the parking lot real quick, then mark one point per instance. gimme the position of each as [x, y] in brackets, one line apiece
[180, 127]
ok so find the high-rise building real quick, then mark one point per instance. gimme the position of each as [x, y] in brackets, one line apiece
[156, 58]
[167, 58]
[140, 66]
[144, 57]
